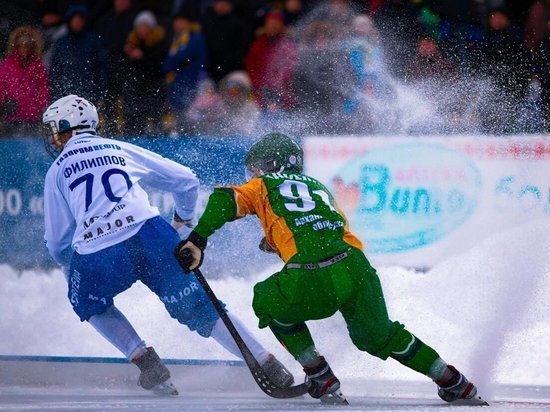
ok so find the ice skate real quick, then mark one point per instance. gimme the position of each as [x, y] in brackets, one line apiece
[459, 391]
[165, 388]
[323, 384]
[154, 375]
[276, 371]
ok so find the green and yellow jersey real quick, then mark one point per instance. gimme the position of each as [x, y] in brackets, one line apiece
[298, 214]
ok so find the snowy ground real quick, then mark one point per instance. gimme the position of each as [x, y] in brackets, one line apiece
[486, 311]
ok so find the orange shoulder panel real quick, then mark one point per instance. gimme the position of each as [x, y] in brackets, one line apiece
[252, 198]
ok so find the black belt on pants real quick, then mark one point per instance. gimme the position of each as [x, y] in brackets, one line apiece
[319, 265]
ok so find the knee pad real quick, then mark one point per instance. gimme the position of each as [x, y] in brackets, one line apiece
[197, 315]
[405, 346]
[295, 337]
[384, 346]
[86, 306]
[286, 328]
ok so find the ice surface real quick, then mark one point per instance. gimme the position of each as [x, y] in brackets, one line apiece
[16, 399]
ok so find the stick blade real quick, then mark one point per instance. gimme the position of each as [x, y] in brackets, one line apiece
[269, 388]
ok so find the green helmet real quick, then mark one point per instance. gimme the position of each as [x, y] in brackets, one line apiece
[274, 152]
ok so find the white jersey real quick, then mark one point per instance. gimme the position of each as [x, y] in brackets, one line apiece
[93, 198]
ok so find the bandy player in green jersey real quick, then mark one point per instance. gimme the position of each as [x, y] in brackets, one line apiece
[325, 271]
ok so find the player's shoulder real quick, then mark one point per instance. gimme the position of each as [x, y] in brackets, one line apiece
[87, 139]
[51, 171]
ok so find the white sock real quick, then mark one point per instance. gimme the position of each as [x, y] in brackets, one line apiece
[308, 356]
[221, 334]
[438, 370]
[114, 327]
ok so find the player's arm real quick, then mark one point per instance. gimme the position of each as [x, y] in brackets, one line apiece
[165, 174]
[224, 205]
[58, 221]
[220, 209]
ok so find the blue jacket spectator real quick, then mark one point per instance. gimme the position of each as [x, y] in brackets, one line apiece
[184, 63]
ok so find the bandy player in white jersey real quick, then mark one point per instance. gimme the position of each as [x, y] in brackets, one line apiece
[102, 230]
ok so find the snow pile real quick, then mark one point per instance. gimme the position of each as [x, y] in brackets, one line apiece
[486, 311]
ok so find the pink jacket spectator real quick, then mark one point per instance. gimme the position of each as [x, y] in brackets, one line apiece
[270, 64]
[24, 90]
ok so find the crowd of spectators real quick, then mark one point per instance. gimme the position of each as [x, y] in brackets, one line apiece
[234, 67]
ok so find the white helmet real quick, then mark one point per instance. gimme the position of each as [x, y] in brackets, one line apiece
[69, 114]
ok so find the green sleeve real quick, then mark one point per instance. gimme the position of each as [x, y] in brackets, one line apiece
[220, 209]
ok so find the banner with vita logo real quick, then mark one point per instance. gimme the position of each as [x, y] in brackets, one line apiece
[415, 201]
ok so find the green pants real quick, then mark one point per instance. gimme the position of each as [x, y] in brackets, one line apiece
[287, 299]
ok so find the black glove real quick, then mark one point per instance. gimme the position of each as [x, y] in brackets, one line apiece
[190, 252]
[266, 247]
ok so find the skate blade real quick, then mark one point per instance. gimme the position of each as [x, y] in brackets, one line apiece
[334, 398]
[475, 401]
[165, 388]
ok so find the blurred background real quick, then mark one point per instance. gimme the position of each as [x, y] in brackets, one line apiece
[239, 67]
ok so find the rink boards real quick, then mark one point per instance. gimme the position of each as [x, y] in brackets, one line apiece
[118, 373]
